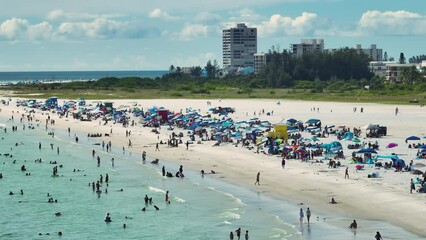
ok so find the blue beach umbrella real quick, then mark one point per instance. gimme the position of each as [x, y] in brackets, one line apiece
[367, 150]
[412, 138]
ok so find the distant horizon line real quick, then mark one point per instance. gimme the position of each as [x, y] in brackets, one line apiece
[165, 70]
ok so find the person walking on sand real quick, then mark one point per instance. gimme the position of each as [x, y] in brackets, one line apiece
[378, 236]
[396, 111]
[156, 147]
[257, 179]
[412, 187]
[283, 163]
[347, 173]
[308, 214]
[301, 215]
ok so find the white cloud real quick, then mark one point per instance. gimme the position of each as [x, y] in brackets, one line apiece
[191, 31]
[305, 24]
[158, 13]
[99, 28]
[207, 18]
[59, 14]
[392, 23]
[245, 15]
[17, 29]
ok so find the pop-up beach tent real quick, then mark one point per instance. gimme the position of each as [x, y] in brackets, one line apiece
[395, 160]
[333, 147]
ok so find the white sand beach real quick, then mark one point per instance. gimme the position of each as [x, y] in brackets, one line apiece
[386, 198]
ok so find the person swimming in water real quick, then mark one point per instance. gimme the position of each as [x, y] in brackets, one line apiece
[108, 218]
[353, 225]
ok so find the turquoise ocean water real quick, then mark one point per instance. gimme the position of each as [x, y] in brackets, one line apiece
[200, 208]
[50, 76]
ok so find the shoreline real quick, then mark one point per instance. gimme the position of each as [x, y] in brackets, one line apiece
[308, 184]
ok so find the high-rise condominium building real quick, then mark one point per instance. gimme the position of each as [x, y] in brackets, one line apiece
[307, 46]
[239, 46]
[374, 53]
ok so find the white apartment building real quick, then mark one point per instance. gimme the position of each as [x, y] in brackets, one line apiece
[379, 68]
[394, 70]
[239, 46]
[374, 53]
[307, 46]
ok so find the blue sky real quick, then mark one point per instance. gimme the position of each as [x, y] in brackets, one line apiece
[49, 35]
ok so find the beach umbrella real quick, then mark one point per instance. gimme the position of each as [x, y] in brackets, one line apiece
[391, 145]
[292, 121]
[313, 121]
[314, 139]
[367, 150]
[356, 140]
[412, 138]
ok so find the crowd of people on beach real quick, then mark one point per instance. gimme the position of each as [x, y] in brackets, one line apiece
[297, 148]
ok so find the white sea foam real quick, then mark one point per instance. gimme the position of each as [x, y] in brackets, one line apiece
[153, 189]
[230, 215]
[237, 200]
[179, 200]
[226, 222]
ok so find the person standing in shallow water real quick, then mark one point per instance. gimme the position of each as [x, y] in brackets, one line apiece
[308, 214]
